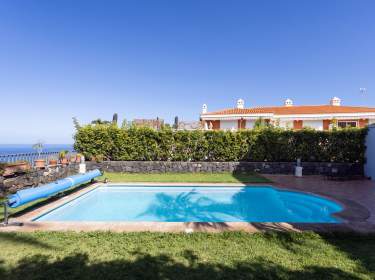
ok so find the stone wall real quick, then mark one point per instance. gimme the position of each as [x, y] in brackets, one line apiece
[35, 177]
[309, 168]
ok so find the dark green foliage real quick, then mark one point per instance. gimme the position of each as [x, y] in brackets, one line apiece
[115, 119]
[175, 125]
[76, 124]
[261, 123]
[100, 121]
[2, 168]
[268, 144]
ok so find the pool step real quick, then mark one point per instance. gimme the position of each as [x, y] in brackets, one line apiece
[309, 208]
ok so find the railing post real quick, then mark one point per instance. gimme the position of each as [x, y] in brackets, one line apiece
[6, 214]
[30, 157]
[6, 217]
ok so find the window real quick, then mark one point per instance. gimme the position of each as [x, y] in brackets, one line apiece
[344, 124]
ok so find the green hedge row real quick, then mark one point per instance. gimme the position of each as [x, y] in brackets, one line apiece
[108, 142]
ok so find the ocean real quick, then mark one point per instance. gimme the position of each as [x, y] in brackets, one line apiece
[6, 149]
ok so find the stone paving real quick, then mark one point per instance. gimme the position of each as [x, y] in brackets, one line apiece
[361, 192]
[357, 197]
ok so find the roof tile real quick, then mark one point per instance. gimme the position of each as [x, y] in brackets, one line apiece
[294, 110]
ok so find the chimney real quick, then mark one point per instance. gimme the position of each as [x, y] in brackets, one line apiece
[240, 104]
[335, 101]
[288, 103]
[204, 109]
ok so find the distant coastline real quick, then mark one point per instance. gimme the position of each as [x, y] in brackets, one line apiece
[28, 148]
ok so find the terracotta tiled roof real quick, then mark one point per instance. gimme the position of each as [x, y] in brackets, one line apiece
[295, 110]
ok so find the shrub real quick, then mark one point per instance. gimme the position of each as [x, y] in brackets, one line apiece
[2, 168]
[267, 144]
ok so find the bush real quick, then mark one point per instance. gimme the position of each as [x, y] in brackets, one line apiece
[268, 144]
[2, 168]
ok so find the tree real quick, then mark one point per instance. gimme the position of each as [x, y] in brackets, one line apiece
[334, 124]
[38, 147]
[175, 125]
[261, 123]
[100, 121]
[125, 124]
[76, 124]
[115, 119]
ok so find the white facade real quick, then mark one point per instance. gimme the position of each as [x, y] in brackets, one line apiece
[315, 124]
[250, 124]
[229, 125]
[317, 117]
[287, 124]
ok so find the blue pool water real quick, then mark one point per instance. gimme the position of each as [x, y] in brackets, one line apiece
[195, 204]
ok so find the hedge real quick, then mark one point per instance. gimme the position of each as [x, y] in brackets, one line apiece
[108, 142]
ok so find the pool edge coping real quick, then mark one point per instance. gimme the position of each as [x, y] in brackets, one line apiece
[347, 224]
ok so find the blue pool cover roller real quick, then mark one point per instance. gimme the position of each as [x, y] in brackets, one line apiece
[24, 196]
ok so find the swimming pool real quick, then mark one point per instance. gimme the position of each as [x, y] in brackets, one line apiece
[194, 204]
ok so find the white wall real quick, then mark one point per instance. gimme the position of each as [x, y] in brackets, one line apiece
[316, 124]
[286, 124]
[228, 125]
[250, 124]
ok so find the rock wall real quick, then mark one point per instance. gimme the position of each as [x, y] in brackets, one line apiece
[35, 178]
[309, 168]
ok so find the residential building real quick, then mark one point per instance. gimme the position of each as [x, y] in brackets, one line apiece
[151, 123]
[192, 125]
[319, 117]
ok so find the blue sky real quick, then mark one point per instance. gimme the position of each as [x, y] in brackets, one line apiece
[138, 58]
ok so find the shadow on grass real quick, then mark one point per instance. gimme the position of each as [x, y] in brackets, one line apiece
[250, 178]
[242, 174]
[146, 266]
[356, 246]
[12, 237]
[348, 243]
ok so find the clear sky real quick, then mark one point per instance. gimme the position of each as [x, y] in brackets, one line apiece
[144, 59]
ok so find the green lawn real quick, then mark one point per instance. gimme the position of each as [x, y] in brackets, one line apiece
[58, 255]
[224, 177]
[230, 255]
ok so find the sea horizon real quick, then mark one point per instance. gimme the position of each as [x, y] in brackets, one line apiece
[6, 149]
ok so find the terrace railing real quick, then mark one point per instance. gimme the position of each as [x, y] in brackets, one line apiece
[31, 157]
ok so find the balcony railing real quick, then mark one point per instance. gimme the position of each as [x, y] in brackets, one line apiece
[31, 157]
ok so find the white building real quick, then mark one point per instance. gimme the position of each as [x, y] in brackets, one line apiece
[320, 117]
